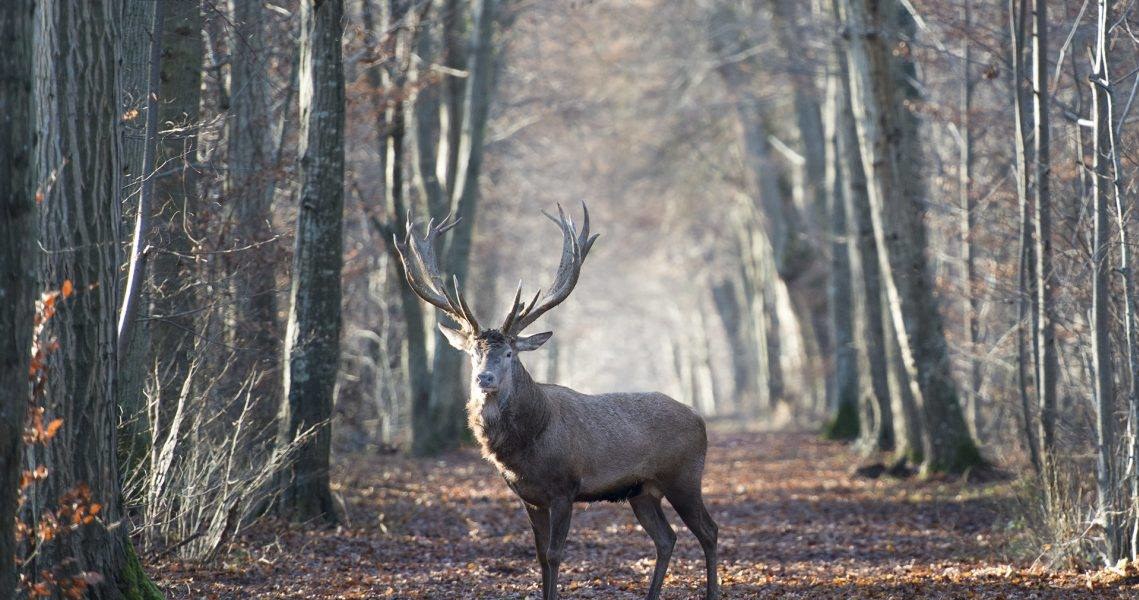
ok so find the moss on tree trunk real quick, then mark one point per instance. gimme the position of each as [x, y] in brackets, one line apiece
[844, 426]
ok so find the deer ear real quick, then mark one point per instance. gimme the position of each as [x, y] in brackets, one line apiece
[532, 342]
[458, 339]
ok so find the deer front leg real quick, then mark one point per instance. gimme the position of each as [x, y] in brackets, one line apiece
[559, 511]
[540, 523]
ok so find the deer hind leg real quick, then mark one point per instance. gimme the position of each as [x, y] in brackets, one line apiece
[540, 523]
[646, 507]
[689, 504]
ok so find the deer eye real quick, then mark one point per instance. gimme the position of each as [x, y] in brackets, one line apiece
[508, 354]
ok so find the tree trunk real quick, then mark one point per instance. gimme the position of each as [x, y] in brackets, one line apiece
[972, 308]
[1046, 359]
[249, 191]
[312, 343]
[78, 115]
[726, 300]
[18, 261]
[873, 359]
[887, 134]
[178, 204]
[1110, 489]
[133, 333]
[844, 405]
[392, 119]
[446, 408]
[1018, 25]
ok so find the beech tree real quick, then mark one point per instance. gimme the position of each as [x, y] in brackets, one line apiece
[78, 119]
[312, 340]
[888, 136]
[17, 264]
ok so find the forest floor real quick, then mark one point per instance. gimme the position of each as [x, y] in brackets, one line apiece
[793, 523]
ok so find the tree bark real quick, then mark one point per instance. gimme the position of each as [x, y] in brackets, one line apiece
[133, 335]
[845, 422]
[1018, 25]
[312, 343]
[726, 300]
[423, 112]
[887, 134]
[873, 360]
[1046, 359]
[177, 199]
[446, 405]
[249, 190]
[1110, 496]
[972, 308]
[18, 261]
[78, 120]
[398, 159]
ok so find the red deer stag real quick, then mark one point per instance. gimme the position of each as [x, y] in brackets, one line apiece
[555, 446]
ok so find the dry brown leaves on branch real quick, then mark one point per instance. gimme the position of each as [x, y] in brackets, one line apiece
[793, 524]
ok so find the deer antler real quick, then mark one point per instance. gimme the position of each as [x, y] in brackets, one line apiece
[423, 275]
[575, 247]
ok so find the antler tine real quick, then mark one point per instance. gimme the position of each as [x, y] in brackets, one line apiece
[468, 314]
[422, 271]
[575, 247]
[514, 308]
[585, 241]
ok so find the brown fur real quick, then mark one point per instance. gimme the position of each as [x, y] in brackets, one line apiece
[555, 446]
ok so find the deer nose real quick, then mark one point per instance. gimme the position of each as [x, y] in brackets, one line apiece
[486, 379]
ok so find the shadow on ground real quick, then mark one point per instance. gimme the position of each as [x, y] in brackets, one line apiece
[793, 524]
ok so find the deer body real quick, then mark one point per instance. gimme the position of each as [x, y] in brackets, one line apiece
[551, 441]
[555, 446]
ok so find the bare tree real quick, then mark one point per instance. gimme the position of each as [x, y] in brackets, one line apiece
[178, 203]
[874, 364]
[1111, 490]
[844, 373]
[249, 190]
[312, 342]
[76, 62]
[17, 264]
[887, 135]
[1018, 27]
[971, 300]
[1044, 301]
[132, 337]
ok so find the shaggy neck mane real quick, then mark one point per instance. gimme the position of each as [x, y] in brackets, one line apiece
[513, 421]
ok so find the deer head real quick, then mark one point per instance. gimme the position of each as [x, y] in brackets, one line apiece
[493, 352]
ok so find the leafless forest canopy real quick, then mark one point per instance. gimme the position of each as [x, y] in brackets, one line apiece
[904, 226]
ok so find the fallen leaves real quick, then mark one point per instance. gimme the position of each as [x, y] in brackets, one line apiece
[793, 524]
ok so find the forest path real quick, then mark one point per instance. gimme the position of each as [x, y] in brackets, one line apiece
[793, 524]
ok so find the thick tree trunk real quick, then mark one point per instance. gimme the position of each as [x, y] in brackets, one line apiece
[887, 134]
[873, 359]
[249, 191]
[312, 343]
[18, 237]
[76, 66]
